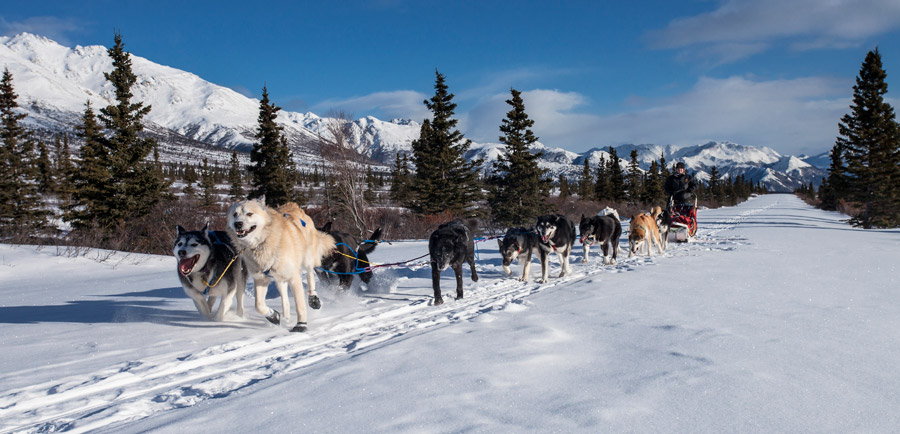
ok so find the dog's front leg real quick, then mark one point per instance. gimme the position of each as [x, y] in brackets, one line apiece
[563, 256]
[605, 248]
[545, 272]
[282, 286]
[199, 301]
[457, 270]
[587, 249]
[261, 286]
[471, 267]
[224, 305]
[526, 267]
[436, 283]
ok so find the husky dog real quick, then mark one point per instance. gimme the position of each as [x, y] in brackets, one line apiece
[342, 261]
[208, 268]
[519, 243]
[643, 230]
[450, 245]
[557, 233]
[663, 222]
[604, 229]
[279, 245]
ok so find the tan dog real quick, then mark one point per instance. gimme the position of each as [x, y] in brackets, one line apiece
[279, 245]
[644, 230]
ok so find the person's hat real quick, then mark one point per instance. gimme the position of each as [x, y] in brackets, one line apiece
[680, 165]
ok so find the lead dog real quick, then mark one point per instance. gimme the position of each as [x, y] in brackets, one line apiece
[604, 229]
[450, 245]
[519, 243]
[349, 257]
[557, 233]
[279, 245]
[643, 230]
[209, 269]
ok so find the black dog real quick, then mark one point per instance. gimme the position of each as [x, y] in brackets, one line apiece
[519, 243]
[603, 229]
[451, 244]
[209, 268]
[557, 233]
[664, 223]
[343, 264]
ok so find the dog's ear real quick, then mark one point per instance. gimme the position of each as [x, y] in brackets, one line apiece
[500, 244]
[206, 227]
[179, 229]
[262, 199]
[583, 217]
[327, 227]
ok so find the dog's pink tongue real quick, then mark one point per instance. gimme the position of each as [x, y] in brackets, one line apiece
[186, 265]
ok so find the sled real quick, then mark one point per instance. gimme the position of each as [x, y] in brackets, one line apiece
[683, 225]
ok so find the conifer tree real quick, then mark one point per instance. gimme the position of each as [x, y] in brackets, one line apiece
[664, 172]
[65, 171]
[45, 173]
[92, 179]
[20, 201]
[272, 166]
[519, 189]
[653, 186]
[834, 188]
[616, 177]
[586, 186]
[235, 180]
[401, 178]
[564, 187]
[444, 180]
[633, 181]
[715, 184]
[601, 186]
[870, 140]
[208, 195]
[137, 184]
[190, 178]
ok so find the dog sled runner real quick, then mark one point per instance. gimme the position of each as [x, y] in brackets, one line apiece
[683, 226]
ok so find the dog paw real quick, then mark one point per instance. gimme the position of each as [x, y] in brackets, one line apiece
[299, 328]
[584, 261]
[474, 277]
[438, 301]
[314, 301]
[274, 317]
[542, 280]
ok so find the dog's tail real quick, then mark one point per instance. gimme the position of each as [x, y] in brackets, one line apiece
[368, 246]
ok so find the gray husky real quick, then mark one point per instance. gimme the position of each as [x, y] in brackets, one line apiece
[519, 243]
[209, 268]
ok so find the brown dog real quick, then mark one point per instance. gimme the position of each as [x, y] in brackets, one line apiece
[644, 230]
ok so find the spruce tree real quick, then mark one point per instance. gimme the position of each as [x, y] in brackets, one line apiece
[654, 185]
[633, 181]
[135, 183]
[20, 201]
[272, 166]
[65, 171]
[91, 180]
[401, 178]
[190, 178]
[236, 182]
[444, 180]
[519, 188]
[715, 185]
[564, 187]
[45, 173]
[208, 194]
[586, 186]
[616, 177]
[601, 185]
[834, 188]
[870, 140]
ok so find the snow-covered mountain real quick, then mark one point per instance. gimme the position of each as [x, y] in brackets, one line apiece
[193, 118]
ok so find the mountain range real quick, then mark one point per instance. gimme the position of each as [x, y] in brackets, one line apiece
[194, 119]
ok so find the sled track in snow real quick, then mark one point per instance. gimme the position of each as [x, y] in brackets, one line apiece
[141, 388]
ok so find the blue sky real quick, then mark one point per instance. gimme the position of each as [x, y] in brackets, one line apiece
[775, 73]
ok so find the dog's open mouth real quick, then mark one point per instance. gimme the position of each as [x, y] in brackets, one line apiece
[544, 238]
[186, 265]
[243, 233]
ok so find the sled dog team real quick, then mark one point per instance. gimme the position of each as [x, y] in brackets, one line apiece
[280, 244]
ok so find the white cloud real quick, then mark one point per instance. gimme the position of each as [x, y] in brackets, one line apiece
[810, 24]
[791, 116]
[387, 105]
[50, 27]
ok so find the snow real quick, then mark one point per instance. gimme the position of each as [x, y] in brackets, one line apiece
[778, 318]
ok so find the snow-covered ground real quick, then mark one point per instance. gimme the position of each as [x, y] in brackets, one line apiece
[778, 318]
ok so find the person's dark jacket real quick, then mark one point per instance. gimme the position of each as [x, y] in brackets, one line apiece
[681, 187]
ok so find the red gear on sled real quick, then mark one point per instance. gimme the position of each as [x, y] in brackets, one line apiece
[686, 215]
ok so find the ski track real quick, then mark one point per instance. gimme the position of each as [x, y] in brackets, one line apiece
[141, 388]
